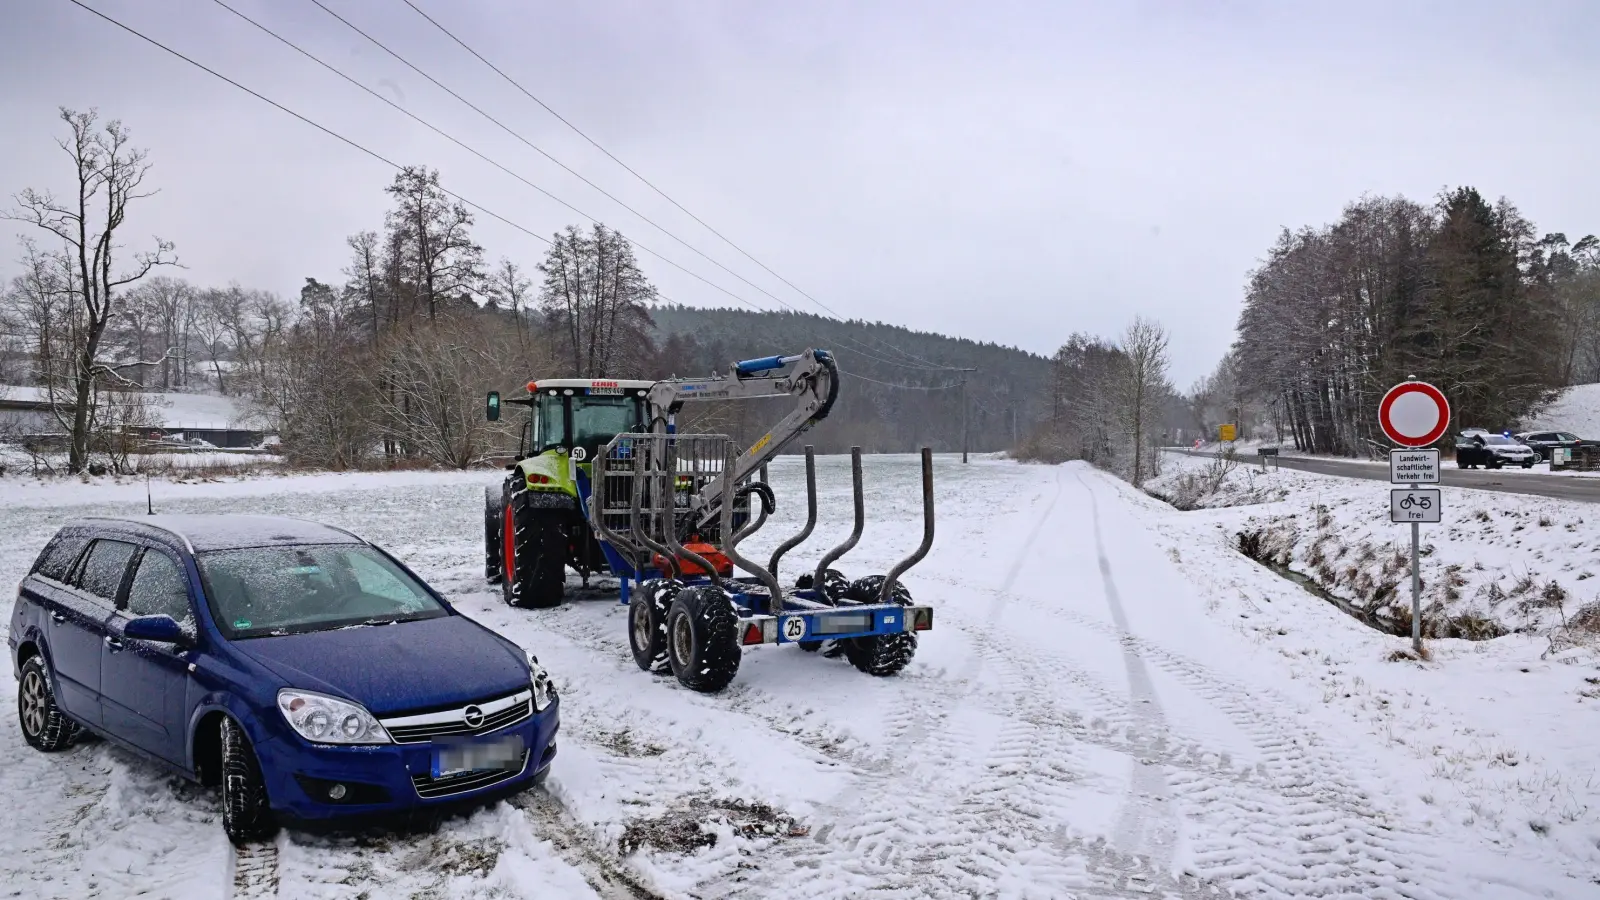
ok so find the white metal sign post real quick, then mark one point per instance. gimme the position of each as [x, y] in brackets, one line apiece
[1414, 414]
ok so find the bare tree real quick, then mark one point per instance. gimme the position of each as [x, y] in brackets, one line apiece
[1142, 387]
[434, 230]
[598, 298]
[510, 289]
[108, 175]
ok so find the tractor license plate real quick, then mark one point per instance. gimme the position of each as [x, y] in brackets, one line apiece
[505, 753]
[843, 623]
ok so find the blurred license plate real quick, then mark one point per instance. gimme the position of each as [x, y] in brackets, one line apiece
[505, 753]
[844, 623]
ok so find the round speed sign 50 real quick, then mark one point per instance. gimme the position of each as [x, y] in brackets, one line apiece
[1414, 414]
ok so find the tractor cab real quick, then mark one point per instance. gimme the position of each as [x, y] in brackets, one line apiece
[577, 416]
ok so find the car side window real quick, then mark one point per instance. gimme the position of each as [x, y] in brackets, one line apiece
[159, 588]
[56, 561]
[102, 570]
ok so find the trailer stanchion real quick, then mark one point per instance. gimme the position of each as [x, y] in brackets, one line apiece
[838, 552]
[927, 530]
[811, 513]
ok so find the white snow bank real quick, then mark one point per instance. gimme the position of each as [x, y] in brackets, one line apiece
[1577, 410]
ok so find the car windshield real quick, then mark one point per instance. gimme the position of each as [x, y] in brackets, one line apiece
[1497, 439]
[290, 590]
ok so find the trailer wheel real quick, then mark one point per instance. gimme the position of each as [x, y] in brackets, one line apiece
[882, 654]
[834, 584]
[703, 639]
[647, 623]
[535, 554]
[494, 506]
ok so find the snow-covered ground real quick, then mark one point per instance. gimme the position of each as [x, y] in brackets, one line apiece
[1577, 410]
[1113, 703]
[171, 410]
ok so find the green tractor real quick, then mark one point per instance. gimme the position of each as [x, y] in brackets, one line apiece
[537, 522]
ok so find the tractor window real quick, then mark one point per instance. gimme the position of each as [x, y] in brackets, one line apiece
[598, 419]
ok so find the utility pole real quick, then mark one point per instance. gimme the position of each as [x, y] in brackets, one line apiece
[964, 432]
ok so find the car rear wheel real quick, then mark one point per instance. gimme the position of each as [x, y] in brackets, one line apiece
[246, 817]
[44, 726]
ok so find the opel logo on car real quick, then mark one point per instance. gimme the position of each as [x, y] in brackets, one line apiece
[473, 716]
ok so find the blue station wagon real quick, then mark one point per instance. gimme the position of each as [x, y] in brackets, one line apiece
[307, 672]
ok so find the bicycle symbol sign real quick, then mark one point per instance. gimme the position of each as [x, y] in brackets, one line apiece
[1415, 505]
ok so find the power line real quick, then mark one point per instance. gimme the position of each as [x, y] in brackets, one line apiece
[905, 387]
[613, 157]
[542, 152]
[279, 106]
[463, 145]
[372, 153]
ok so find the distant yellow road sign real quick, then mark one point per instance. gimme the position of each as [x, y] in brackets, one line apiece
[1226, 433]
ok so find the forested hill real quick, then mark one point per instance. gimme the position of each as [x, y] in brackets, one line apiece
[894, 396]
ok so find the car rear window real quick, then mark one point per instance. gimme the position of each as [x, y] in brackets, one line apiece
[287, 590]
[59, 555]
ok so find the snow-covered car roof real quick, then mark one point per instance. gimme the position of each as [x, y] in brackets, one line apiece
[239, 532]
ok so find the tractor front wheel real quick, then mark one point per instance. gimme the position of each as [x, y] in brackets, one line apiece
[535, 554]
[881, 654]
[703, 639]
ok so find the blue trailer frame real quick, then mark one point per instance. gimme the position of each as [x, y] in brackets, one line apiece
[806, 614]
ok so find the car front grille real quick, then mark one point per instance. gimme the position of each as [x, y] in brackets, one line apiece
[429, 788]
[501, 712]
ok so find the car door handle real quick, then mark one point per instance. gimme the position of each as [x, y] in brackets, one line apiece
[58, 618]
[114, 644]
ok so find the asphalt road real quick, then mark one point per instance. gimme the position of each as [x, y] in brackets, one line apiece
[1510, 481]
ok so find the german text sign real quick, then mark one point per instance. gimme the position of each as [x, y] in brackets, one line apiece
[1414, 466]
[1415, 505]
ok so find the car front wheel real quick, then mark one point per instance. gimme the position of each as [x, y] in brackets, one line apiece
[246, 817]
[44, 726]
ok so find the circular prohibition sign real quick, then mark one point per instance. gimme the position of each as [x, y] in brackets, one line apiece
[1414, 414]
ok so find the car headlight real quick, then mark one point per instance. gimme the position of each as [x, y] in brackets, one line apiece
[328, 720]
[543, 690]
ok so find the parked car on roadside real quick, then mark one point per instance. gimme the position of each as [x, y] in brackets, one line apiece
[304, 670]
[1543, 442]
[1476, 447]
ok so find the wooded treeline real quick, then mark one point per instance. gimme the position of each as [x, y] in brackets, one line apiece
[1109, 402]
[389, 362]
[1464, 293]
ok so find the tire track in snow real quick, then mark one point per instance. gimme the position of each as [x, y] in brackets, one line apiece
[255, 871]
[1338, 842]
[1146, 823]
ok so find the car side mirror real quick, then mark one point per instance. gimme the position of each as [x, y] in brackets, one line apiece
[493, 410]
[161, 628]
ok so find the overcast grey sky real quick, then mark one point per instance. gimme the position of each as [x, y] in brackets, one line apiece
[1005, 171]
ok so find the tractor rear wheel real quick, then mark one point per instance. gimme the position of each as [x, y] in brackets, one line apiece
[703, 639]
[647, 623]
[494, 514]
[881, 654]
[535, 553]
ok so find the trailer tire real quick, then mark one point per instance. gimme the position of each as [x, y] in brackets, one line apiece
[883, 654]
[703, 639]
[494, 506]
[535, 554]
[647, 623]
[834, 585]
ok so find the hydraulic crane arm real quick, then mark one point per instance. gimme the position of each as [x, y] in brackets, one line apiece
[812, 377]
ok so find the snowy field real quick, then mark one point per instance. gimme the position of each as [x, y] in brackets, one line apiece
[1577, 410]
[1113, 704]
